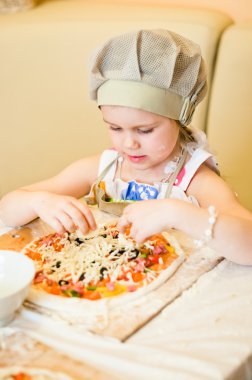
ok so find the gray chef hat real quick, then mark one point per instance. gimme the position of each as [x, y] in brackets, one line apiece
[154, 70]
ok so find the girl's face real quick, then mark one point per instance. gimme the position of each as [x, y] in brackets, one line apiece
[146, 140]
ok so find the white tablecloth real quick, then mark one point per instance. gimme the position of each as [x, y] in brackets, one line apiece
[206, 334]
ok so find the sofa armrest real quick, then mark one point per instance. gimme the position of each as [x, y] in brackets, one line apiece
[229, 125]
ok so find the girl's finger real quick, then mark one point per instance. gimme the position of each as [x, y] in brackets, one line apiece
[56, 225]
[85, 210]
[67, 222]
[140, 236]
[133, 231]
[79, 219]
[123, 223]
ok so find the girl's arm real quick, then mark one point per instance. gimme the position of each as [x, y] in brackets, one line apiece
[54, 199]
[232, 233]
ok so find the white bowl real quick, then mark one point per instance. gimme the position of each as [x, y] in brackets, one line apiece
[16, 274]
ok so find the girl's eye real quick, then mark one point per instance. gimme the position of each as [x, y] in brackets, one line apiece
[145, 131]
[115, 129]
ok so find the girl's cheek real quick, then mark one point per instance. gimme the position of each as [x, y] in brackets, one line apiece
[113, 139]
[118, 141]
[161, 148]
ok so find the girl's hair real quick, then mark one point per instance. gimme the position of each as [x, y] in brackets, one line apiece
[185, 134]
[190, 143]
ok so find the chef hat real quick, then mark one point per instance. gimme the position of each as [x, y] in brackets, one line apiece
[154, 70]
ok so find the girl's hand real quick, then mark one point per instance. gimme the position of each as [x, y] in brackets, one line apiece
[63, 213]
[146, 218]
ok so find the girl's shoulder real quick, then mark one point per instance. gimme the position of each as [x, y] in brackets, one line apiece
[209, 188]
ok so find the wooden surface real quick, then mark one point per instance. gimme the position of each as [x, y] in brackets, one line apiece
[122, 322]
[20, 350]
[125, 321]
[17, 239]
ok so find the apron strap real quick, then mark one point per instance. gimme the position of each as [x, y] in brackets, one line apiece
[174, 175]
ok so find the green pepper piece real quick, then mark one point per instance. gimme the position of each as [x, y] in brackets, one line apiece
[74, 293]
[91, 287]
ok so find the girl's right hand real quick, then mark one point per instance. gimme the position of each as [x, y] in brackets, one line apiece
[63, 213]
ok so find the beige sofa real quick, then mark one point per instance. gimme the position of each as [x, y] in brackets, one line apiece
[229, 123]
[47, 120]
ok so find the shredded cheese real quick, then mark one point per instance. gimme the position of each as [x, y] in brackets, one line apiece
[92, 257]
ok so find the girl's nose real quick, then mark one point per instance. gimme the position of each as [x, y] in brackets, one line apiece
[130, 142]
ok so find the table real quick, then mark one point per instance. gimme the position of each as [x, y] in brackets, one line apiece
[205, 334]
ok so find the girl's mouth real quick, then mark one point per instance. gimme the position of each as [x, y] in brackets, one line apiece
[136, 159]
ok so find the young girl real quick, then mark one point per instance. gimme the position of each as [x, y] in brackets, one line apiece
[147, 85]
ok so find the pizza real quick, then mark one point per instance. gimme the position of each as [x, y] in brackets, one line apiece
[29, 373]
[102, 266]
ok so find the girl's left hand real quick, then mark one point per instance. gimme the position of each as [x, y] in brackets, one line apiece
[146, 218]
